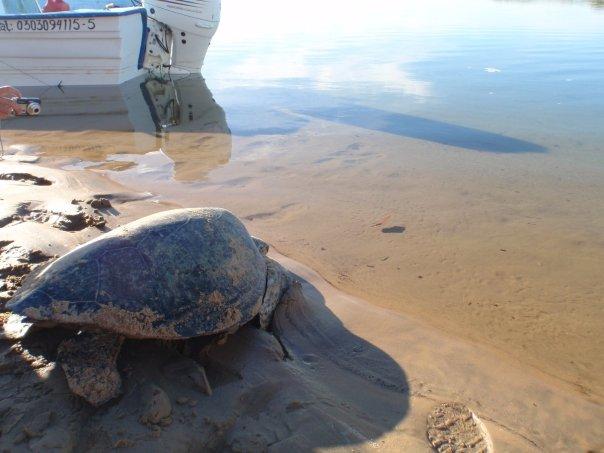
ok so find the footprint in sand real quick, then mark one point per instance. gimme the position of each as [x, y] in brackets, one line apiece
[452, 427]
[68, 216]
[15, 263]
[25, 177]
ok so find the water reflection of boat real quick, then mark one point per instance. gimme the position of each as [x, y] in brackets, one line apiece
[109, 126]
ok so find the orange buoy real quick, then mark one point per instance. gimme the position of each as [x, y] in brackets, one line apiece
[54, 6]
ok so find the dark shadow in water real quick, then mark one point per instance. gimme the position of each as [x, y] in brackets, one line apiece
[425, 129]
[270, 111]
[251, 122]
[182, 114]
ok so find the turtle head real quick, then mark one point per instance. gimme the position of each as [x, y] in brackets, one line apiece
[262, 246]
[278, 281]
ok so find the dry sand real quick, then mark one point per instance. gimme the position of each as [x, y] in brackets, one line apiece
[338, 374]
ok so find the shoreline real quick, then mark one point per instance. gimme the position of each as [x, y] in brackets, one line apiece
[470, 254]
[502, 249]
[380, 350]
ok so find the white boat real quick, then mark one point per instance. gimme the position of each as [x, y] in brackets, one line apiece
[103, 45]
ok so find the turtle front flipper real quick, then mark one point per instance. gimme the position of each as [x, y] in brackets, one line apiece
[278, 281]
[89, 363]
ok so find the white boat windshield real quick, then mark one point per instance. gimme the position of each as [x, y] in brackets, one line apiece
[32, 6]
[99, 4]
[19, 7]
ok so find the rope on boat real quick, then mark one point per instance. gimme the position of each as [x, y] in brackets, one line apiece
[31, 76]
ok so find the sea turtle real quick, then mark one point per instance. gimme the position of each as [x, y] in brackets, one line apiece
[173, 275]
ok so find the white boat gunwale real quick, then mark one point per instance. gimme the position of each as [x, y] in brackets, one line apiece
[116, 12]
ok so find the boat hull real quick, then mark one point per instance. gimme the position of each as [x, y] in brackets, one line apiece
[73, 48]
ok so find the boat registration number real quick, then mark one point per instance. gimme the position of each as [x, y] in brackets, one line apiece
[60, 24]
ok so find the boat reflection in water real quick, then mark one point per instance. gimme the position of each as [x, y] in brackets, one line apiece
[157, 128]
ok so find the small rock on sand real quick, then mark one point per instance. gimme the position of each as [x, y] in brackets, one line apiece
[190, 368]
[71, 217]
[99, 203]
[157, 407]
[55, 439]
[37, 426]
[124, 443]
[182, 400]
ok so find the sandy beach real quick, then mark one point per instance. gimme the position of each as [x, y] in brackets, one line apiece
[508, 255]
[422, 185]
[345, 373]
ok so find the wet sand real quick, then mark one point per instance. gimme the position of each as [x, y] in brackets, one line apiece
[345, 373]
[504, 250]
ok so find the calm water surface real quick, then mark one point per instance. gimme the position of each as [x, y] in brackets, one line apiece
[481, 75]
[490, 76]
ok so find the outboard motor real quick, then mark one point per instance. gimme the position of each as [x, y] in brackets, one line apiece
[192, 24]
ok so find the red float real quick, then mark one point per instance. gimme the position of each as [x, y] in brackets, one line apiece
[54, 6]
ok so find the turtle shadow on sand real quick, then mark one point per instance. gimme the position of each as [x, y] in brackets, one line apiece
[309, 383]
[358, 393]
[163, 335]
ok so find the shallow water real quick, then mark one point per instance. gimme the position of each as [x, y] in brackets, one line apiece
[440, 158]
[487, 76]
[491, 76]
